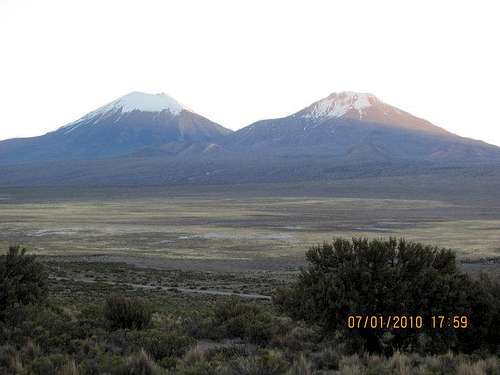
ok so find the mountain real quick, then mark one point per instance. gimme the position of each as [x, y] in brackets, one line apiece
[143, 139]
[351, 126]
[131, 124]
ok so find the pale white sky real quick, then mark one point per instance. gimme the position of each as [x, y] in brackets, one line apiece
[240, 61]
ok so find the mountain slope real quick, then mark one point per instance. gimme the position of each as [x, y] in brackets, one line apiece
[358, 127]
[127, 125]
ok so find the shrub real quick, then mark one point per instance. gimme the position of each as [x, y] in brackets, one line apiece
[380, 277]
[31, 350]
[200, 327]
[127, 313]
[327, 359]
[23, 279]
[297, 338]
[225, 352]
[244, 320]
[160, 344]
[46, 325]
[195, 362]
[69, 368]
[9, 360]
[48, 365]
[202, 367]
[101, 363]
[268, 363]
[139, 364]
[300, 367]
[352, 366]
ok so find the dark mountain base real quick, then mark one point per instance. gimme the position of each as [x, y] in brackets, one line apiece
[155, 171]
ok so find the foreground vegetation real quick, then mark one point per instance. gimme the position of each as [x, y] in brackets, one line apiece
[54, 326]
[379, 279]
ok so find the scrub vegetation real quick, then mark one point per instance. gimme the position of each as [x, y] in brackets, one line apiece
[108, 321]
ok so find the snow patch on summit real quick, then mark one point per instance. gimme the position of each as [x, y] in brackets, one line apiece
[340, 104]
[138, 101]
[135, 101]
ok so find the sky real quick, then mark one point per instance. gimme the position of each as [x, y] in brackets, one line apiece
[237, 62]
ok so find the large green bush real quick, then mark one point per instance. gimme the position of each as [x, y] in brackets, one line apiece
[23, 280]
[390, 277]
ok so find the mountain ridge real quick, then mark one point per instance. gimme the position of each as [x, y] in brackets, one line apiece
[144, 138]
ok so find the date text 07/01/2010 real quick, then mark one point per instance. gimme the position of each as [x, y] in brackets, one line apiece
[407, 322]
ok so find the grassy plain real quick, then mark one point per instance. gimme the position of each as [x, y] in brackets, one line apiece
[241, 227]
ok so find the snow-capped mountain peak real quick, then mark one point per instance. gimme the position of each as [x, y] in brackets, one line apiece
[145, 103]
[343, 104]
[349, 105]
[134, 101]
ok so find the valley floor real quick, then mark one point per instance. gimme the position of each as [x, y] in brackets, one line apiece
[249, 227]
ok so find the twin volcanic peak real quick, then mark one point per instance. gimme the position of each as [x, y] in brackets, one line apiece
[124, 127]
[345, 126]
